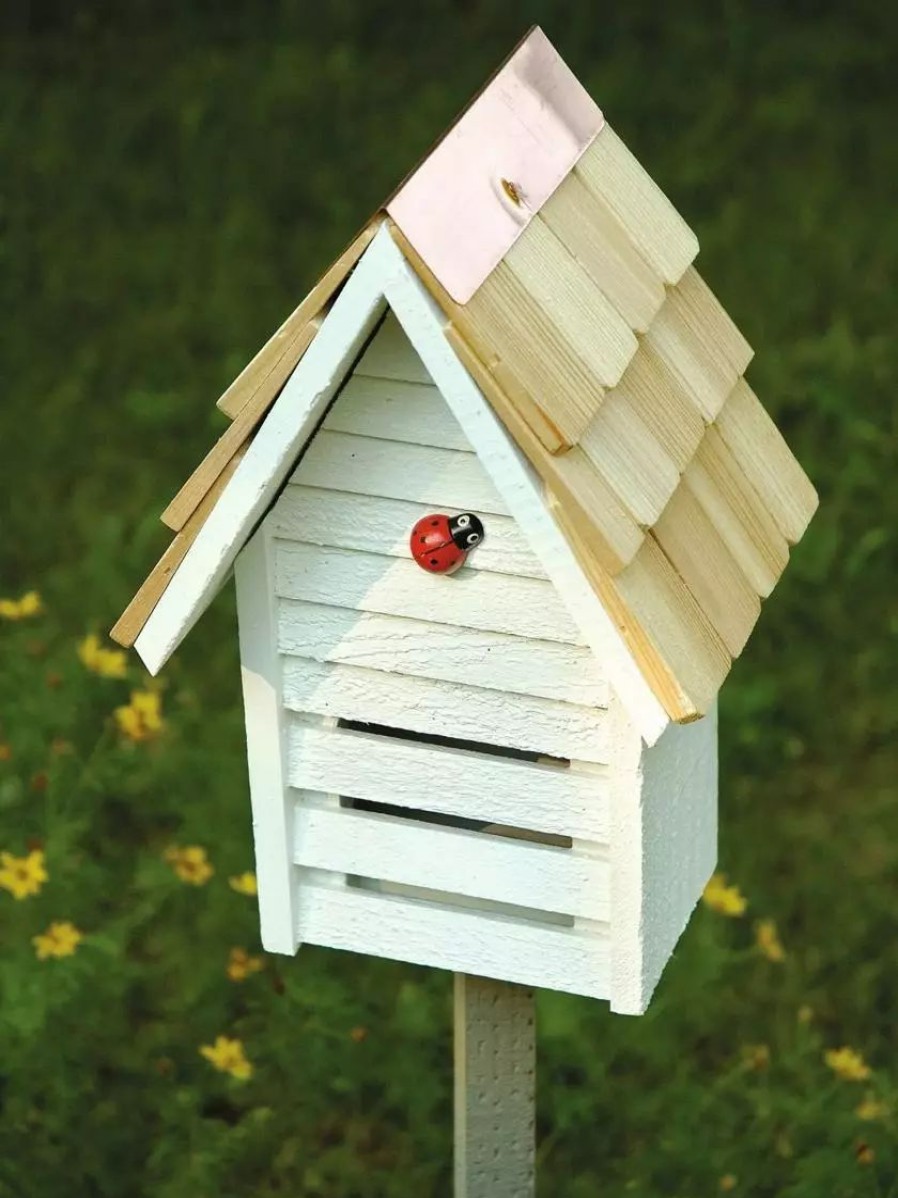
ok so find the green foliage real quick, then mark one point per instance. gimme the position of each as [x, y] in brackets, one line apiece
[169, 191]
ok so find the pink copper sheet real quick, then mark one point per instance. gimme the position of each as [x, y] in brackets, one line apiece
[466, 205]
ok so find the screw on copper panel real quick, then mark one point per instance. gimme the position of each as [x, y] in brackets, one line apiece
[512, 191]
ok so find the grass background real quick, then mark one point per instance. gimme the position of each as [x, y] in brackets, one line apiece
[173, 178]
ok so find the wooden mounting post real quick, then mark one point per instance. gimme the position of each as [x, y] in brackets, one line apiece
[495, 1091]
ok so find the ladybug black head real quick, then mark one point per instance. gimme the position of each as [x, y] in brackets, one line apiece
[466, 530]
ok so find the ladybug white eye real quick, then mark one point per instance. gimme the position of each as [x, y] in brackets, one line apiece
[472, 538]
[463, 521]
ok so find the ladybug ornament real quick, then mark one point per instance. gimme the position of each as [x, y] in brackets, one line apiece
[440, 544]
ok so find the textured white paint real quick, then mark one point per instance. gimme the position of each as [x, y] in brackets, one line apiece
[472, 785]
[465, 941]
[493, 660]
[396, 411]
[446, 709]
[266, 463]
[396, 587]
[266, 746]
[663, 846]
[516, 482]
[397, 470]
[373, 524]
[455, 860]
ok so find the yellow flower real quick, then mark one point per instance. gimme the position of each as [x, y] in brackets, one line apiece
[141, 719]
[728, 1182]
[5, 751]
[871, 1108]
[864, 1154]
[847, 1064]
[726, 900]
[108, 663]
[22, 876]
[227, 1056]
[60, 940]
[244, 883]
[756, 1057]
[241, 965]
[805, 1014]
[768, 941]
[21, 609]
[190, 864]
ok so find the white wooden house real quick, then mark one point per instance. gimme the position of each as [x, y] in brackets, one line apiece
[510, 771]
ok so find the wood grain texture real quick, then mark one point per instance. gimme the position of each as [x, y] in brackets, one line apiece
[373, 524]
[613, 176]
[230, 442]
[395, 470]
[266, 747]
[476, 864]
[423, 649]
[271, 366]
[660, 400]
[701, 558]
[473, 785]
[443, 708]
[737, 512]
[699, 344]
[594, 236]
[590, 504]
[395, 411]
[630, 458]
[760, 451]
[425, 933]
[528, 607]
[669, 613]
[128, 626]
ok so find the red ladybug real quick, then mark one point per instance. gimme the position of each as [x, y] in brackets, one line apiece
[440, 544]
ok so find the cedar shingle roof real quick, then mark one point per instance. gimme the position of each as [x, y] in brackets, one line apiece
[620, 376]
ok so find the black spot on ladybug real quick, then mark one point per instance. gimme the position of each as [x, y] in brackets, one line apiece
[434, 523]
[434, 562]
[423, 540]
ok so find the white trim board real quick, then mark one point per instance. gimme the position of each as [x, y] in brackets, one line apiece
[384, 278]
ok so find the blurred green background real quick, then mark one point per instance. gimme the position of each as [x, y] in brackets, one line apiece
[174, 176]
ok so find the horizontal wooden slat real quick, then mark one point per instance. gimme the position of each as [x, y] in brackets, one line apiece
[595, 238]
[373, 524]
[446, 709]
[767, 462]
[473, 785]
[702, 560]
[630, 458]
[613, 175]
[568, 959]
[277, 358]
[425, 650]
[469, 598]
[737, 512]
[391, 356]
[699, 343]
[440, 478]
[395, 411]
[503, 870]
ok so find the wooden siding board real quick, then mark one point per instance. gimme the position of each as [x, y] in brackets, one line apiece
[395, 411]
[540, 797]
[443, 708]
[463, 941]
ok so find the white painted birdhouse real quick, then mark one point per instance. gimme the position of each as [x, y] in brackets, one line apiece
[510, 770]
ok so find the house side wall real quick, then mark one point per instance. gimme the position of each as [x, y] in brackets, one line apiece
[488, 656]
[664, 847]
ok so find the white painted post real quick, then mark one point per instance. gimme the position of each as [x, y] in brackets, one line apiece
[495, 1089]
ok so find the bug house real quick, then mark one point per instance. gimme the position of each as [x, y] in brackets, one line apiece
[502, 510]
